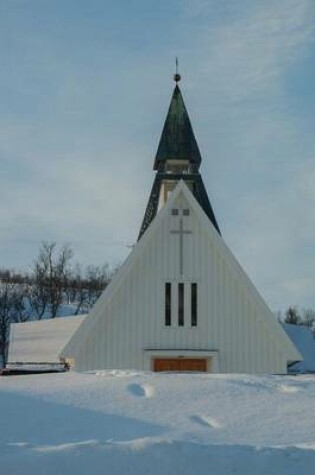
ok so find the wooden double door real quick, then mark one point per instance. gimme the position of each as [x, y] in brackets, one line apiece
[180, 364]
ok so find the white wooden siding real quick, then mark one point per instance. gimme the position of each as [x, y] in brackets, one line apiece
[232, 318]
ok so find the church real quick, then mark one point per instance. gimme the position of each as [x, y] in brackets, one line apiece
[181, 301]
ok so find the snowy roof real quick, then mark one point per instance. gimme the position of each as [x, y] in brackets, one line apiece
[41, 341]
[305, 343]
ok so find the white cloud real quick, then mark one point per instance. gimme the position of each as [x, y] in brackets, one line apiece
[259, 169]
[247, 53]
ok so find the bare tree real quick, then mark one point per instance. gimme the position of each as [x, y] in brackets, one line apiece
[52, 283]
[51, 277]
[292, 316]
[97, 277]
[85, 287]
[13, 308]
[308, 317]
[76, 291]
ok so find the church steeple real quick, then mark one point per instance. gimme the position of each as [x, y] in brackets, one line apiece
[177, 158]
[177, 140]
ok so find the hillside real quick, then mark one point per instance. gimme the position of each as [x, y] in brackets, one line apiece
[145, 423]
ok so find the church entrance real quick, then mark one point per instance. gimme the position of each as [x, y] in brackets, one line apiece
[180, 364]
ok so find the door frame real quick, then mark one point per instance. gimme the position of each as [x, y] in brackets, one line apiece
[180, 363]
[212, 357]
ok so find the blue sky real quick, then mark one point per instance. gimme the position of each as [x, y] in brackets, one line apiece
[84, 89]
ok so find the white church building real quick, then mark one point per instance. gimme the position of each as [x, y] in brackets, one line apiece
[181, 301]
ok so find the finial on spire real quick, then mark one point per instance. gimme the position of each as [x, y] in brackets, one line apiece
[177, 77]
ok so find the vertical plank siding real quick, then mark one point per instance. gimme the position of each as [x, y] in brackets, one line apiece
[232, 318]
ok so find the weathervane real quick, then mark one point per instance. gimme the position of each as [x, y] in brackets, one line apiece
[177, 77]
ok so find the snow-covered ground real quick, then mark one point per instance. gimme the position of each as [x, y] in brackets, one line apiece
[145, 423]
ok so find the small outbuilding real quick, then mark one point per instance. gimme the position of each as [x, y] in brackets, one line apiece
[36, 345]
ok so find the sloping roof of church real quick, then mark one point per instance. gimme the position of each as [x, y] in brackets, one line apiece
[41, 341]
[177, 140]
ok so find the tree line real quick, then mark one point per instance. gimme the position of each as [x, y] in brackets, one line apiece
[53, 287]
[294, 316]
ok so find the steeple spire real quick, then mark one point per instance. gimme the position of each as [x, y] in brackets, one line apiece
[177, 76]
[177, 158]
[177, 140]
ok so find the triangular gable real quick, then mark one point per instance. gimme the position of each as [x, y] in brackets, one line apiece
[269, 321]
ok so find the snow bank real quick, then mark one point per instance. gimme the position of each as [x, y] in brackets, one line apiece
[144, 423]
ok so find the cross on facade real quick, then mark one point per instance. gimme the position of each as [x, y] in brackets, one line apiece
[181, 232]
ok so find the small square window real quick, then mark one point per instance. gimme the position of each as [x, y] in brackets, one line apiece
[174, 212]
[186, 212]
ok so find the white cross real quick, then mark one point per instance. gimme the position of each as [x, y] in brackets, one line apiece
[181, 233]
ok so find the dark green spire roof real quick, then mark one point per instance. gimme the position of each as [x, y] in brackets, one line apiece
[177, 140]
[177, 143]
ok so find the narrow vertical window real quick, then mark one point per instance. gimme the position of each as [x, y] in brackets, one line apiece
[168, 303]
[193, 305]
[181, 305]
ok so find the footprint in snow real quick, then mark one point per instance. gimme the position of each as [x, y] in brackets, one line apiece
[284, 388]
[206, 421]
[140, 390]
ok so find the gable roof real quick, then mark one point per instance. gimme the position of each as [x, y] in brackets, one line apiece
[96, 313]
[177, 140]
